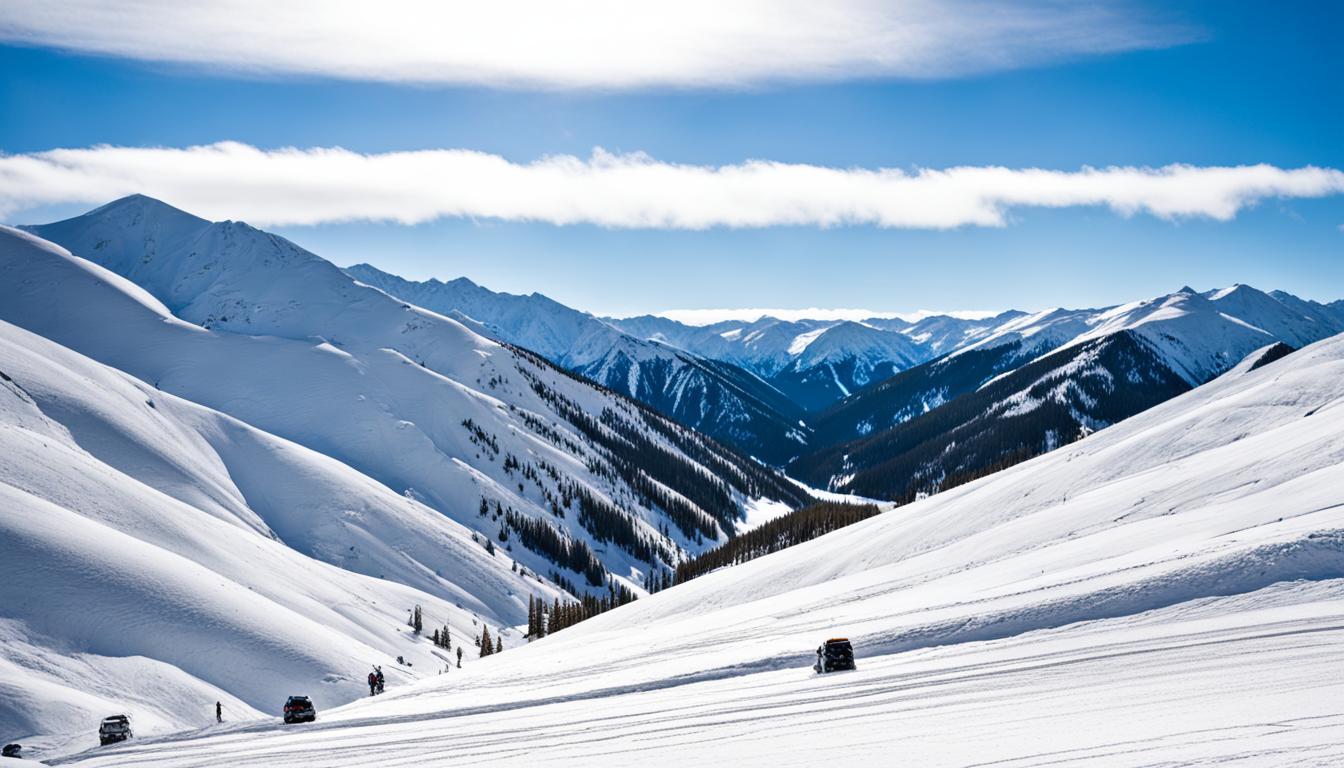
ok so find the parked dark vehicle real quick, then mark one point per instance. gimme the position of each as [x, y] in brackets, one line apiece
[299, 709]
[836, 654]
[114, 729]
[12, 750]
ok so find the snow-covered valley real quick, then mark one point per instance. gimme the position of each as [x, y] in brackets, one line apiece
[759, 384]
[247, 494]
[1167, 591]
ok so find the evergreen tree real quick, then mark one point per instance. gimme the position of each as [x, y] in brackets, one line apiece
[459, 657]
[435, 638]
[484, 641]
[417, 620]
[499, 644]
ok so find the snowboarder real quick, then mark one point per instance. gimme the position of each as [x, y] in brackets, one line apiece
[373, 684]
[380, 678]
[219, 712]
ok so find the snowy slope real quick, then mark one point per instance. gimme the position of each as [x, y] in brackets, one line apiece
[1167, 591]
[1030, 410]
[1200, 336]
[944, 333]
[157, 556]
[1190, 336]
[727, 402]
[820, 364]
[565, 336]
[718, 398]
[1035, 333]
[813, 362]
[830, 363]
[284, 341]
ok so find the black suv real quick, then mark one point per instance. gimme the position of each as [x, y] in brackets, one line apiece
[835, 655]
[114, 729]
[299, 709]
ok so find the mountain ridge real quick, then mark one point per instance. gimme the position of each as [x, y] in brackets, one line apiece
[715, 397]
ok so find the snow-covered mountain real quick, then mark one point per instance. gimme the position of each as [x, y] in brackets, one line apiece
[830, 363]
[718, 398]
[860, 379]
[1030, 410]
[413, 399]
[207, 403]
[1043, 380]
[157, 556]
[1097, 605]
[814, 362]
[943, 333]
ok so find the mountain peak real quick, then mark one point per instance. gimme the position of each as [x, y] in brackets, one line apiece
[1235, 290]
[364, 266]
[138, 204]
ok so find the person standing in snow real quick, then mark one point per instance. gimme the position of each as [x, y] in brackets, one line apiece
[219, 712]
[380, 678]
[373, 684]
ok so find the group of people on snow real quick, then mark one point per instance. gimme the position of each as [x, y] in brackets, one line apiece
[376, 681]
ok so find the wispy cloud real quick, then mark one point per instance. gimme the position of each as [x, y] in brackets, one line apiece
[315, 186]
[592, 43]
[711, 316]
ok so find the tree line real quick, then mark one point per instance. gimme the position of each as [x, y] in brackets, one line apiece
[543, 620]
[782, 532]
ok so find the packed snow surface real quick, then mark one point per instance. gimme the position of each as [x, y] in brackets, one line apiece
[1167, 591]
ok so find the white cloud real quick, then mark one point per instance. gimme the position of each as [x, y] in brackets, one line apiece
[590, 43]
[314, 186]
[711, 316]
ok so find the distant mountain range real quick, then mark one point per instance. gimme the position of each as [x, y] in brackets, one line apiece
[723, 400]
[751, 385]
[817, 362]
[891, 408]
[1043, 380]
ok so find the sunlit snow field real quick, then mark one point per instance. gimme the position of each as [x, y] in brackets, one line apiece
[1169, 591]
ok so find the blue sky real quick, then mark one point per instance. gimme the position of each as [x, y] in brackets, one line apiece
[1248, 83]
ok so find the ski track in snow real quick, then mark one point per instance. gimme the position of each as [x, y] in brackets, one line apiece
[1144, 690]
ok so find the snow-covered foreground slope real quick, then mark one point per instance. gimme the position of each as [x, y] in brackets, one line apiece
[1166, 591]
[157, 556]
[232, 480]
